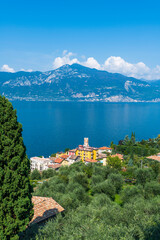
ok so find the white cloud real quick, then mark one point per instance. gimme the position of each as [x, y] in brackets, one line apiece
[119, 65]
[68, 58]
[6, 68]
[112, 64]
[92, 63]
[28, 70]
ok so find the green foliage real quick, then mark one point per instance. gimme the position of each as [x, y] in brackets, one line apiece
[114, 162]
[130, 162]
[112, 145]
[118, 199]
[48, 173]
[96, 179]
[152, 189]
[144, 175]
[105, 187]
[129, 146]
[126, 140]
[103, 219]
[53, 155]
[66, 149]
[35, 175]
[116, 181]
[34, 183]
[88, 169]
[131, 192]
[94, 210]
[101, 200]
[133, 139]
[155, 166]
[80, 178]
[15, 188]
[130, 172]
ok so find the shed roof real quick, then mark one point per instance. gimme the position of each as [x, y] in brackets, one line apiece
[44, 208]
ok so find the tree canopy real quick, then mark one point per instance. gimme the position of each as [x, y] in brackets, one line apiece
[100, 205]
[15, 189]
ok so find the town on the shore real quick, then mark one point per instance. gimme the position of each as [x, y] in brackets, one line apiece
[84, 153]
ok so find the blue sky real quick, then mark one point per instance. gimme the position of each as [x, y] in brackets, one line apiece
[33, 34]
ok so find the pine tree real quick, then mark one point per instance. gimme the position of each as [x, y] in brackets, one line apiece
[15, 189]
[130, 162]
[133, 138]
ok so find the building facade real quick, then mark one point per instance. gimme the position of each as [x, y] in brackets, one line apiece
[40, 163]
[86, 152]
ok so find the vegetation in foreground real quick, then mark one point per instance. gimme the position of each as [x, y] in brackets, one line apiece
[15, 188]
[100, 204]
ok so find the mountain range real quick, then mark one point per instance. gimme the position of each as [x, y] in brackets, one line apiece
[77, 83]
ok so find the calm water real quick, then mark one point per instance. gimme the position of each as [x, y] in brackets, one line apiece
[49, 127]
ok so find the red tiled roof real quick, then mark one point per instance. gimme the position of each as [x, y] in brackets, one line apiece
[73, 150]
[55, 166]
[64, 156]
[44, 208]
[118, 155]
[105, 148]
[58, 160]
[154, 157]
[91, 160]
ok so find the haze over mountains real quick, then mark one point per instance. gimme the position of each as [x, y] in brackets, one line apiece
[77, 83]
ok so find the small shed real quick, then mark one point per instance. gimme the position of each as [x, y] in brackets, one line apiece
[44, 208]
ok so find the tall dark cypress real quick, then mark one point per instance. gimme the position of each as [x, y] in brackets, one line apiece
[15, 189]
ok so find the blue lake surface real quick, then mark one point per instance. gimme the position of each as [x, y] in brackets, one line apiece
[49, 127]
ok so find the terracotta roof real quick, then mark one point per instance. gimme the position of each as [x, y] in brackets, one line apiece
[64, 156]
[154, 157]
[52, 158]
[91, 160]
[105, 148]
[73, 157]
[73, 150]
[58, 160]
[118, 155]
[55, 166]
[44, 208]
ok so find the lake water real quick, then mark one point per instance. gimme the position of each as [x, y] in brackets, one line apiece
[49, 127]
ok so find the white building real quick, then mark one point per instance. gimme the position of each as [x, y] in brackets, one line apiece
[101, 150]
[40, 163]
[72, 159]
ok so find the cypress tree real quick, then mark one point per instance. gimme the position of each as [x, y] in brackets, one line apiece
[15, 189]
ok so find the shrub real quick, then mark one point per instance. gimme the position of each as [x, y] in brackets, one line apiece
[48, 173]
[131, 192]
[144, 175]
[105, 187]
[152, 189]
[116, 180]
[35, 175]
